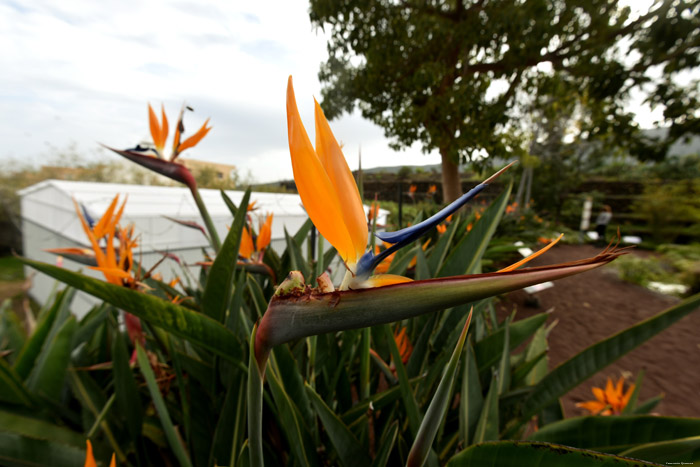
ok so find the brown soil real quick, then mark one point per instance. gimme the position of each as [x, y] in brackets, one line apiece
[595, 305]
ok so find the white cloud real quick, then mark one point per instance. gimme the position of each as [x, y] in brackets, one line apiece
[82, 72]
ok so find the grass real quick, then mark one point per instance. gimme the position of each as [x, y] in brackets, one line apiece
[11, 269]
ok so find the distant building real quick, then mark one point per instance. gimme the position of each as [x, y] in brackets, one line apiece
[223, 171]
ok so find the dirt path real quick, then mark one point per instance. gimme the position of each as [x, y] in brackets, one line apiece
[595, 305]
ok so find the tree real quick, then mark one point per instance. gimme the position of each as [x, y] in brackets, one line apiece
[454, 75]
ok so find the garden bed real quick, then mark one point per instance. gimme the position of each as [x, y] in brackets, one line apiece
[596, 305]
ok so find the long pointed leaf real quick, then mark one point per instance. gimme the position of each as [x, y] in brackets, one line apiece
[616, 434]
[296, 312]
[173, 439]
[517, 454]
[471, 400]
[349, 450]
[217, 292]
[49, 374]
[33, 345]
[596, 357]
[438, 406]
[182, 322]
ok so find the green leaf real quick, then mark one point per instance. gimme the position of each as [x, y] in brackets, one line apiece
[634, 397]
[596, 357]
[677, 451]
[504, 366]
[17, 450]
[296, 258]
[12, 389]
[378, 401]
[386, 445]
[33, 345]
[229, 203]
[517, 454]
[471, 399]
[231, 419]
[349, 449]
[474, 244]
[254, 399]
[292, 423]
[291, 313]
[487, 427]
[401, 261]
[174, 440]
[12, 333]
[257, 295]
[127, 394]
[217, 292]
[49, 373]
[39, 429]
[286, 367]
[488, 350]
[648, 405]
[409, 399]
[192, 326]
[438, 406]
[437, 257]
[616, 433]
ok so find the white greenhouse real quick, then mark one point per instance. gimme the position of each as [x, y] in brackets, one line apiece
[49, 221]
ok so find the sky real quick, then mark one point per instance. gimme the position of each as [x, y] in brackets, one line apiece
[80, 73]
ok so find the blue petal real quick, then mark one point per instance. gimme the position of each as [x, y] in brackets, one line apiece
[88, 218]
[409, 234]
[403, 237]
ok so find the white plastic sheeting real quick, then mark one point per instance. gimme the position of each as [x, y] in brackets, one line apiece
[49, 221]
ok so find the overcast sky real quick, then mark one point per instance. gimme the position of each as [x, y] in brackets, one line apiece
[82, 72]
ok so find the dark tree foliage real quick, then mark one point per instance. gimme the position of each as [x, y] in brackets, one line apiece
[423, 70]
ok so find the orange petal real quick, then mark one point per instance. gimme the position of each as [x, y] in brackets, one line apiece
[246, 249]
[100, 228]
[179, 128]
[163, 130]
[382, 280]
[331, 156]
[155, 126]
[599, 394]
[515, 266]
[89, 457]
[627, 395]
[195, 138]
[265, 233]
[594, 407]
[111, 258]
[99, 254]
[113, 462]
[315, 188]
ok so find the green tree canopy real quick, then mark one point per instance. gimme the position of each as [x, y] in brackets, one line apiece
[456, 76]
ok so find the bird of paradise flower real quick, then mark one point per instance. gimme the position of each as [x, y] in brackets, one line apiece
[332, 201]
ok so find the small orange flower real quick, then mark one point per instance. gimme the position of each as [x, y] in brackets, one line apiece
[469, 227]
[90, 458]
[253, 248]
[373, 211]
[159, 133]
[610, 401]
[441, 228]
[412, 191]
[404, 345]
[432, 190]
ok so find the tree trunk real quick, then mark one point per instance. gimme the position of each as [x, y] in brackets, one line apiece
[451, 186]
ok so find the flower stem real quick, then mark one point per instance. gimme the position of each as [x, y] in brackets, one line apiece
[256, 372]
[213, 235]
